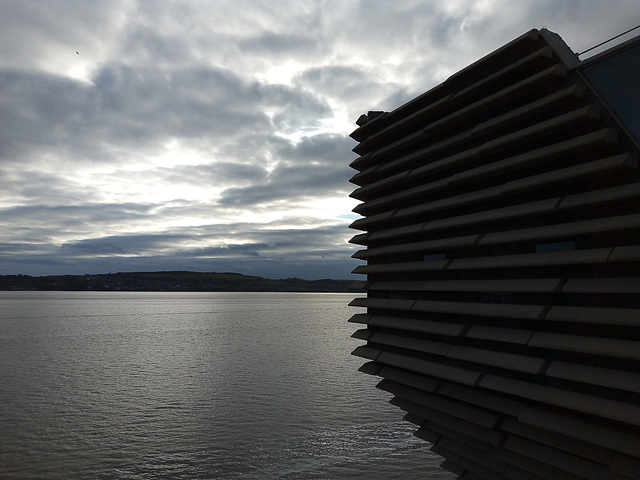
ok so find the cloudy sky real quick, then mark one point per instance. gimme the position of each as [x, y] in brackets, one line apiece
[212, 135]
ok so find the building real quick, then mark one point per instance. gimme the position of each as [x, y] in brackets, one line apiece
[501, 235]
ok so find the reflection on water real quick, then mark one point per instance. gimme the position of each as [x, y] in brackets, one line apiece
[193, 385]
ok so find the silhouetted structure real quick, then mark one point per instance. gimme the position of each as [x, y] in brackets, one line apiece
[502, 232]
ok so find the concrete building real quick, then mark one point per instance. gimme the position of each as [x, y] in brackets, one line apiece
[501, 235]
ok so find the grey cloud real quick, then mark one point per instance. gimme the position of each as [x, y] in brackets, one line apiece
[265, 250]
[218, 173]
[39, 110]
[141, 108]
[293, 107]
[34, 187]
[316, 168]
[120, 244]
[277, 44]
[337, 80]
[33, 224]
[152, 74]
[185, 103]
[44, 37]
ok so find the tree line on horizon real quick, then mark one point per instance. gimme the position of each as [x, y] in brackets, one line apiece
[174, 281]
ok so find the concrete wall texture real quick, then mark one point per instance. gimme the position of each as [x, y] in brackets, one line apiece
[501, 234]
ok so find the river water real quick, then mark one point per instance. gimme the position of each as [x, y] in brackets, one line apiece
[133, 385]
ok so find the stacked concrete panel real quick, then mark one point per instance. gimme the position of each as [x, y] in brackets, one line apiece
[501, 226]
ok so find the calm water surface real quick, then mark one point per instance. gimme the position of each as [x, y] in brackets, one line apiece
[193, 385]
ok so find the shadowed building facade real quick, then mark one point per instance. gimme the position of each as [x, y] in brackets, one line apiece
[501, 235]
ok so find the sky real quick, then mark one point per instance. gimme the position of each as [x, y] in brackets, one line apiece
[213, 135]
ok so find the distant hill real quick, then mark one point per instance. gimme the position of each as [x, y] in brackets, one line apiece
[174, 282]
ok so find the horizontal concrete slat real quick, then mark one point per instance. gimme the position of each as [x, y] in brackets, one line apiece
[607, 377]
[601, 167]
[481, 398]
[629, 253]
[371, 368]
[424, 246]
[403, 163]
[544, 180]
[410, 343]
[362, 334]
[473, 470]
[434, 369]
[499, 167]
[606, 195]
[469, 433]
[432, 109]
[555, 177]
[418, 325]
[494, 358]
[502, 310]
[625, 465]
[594, 315]
[427, 435]
[545, 153]
[561, 442]
[573, 257]
[564, 230]
[582, 429]
[410, 379]
[360, 318]
[476, 456]
[524, 63]
[499, 334]
[484, 285]
[459, 436]
[516, 473]
[406, 230]
[436, 108]
[609, 347]
[498, 214]
[383, 303]
[554, 457]
[474, 428]
[602, 285]
[366, 352]
[431, 265]
[580, 402]
[407, 194]
[457, 410]
[365, 223]
[530, 465]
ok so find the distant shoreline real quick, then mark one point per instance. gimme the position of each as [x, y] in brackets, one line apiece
[179, 281]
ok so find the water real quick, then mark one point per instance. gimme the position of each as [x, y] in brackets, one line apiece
[193, 385]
